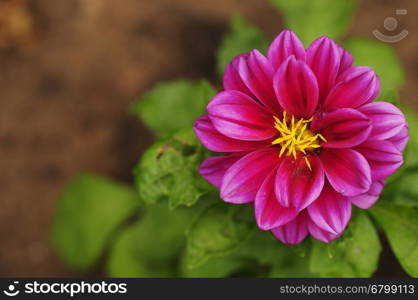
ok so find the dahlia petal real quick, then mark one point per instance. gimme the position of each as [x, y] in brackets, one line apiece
[343, 128]
[366, 200]
[347, 171]
[331, 211]
[295, 231]
[346, 60]
[320, 234]
[257, 74]
[216, 141]
[296, 88]
[323, 56]
[243, 179]
[387, 119]
[269, 213]
[400, 140]
[356, 86]
[296, 184]
[383, 157]
[231, 79]
[284, 45]
[238, 116]
[214, 168]
[376, 89]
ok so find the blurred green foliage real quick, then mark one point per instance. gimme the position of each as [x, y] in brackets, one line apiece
[171, 106]
[400, 224]
[411, 159]
[312, 19]
[88, 214]
[176, 224]
[242, 38]
[151, 246]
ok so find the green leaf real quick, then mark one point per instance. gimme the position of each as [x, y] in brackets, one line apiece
[403, 189]
[171, 106]
[383, 59]
[89, 211]
[294, 266]
[217, 267]
[312, 19]
[260, 255]
[151, 247]
[412, 119]
[218, 231]
[242, 38]
[254, 257]
[169, 170]
[281, 260]
[400, 224]
[411, 159]
[264, 248]
[355, 254]
[391, 96]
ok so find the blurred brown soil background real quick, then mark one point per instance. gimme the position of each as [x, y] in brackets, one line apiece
[69, 70]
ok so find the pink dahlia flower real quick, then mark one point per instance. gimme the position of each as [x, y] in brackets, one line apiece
[301, 137]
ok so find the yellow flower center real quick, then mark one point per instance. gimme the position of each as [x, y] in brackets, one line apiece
[295, 136]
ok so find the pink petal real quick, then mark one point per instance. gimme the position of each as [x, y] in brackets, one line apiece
[284, 45]
[295, 231]
[231, 79]
[400, 140]
[346, 60]
[216, 141]
[376, 89]
[366, 200]
[343, 128]
[323, 56]
[331, 211]
[320, 234]
[387, 119]
[243, 179]
[356, 86]
[296, 88]
[237, 116]
[347, 171]
[257, 74]
[269, 213]
[296, 184]
[214, 168]
[383, 157]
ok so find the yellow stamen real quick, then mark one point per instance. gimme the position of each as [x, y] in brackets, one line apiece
[308, 163]
[296, 137]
